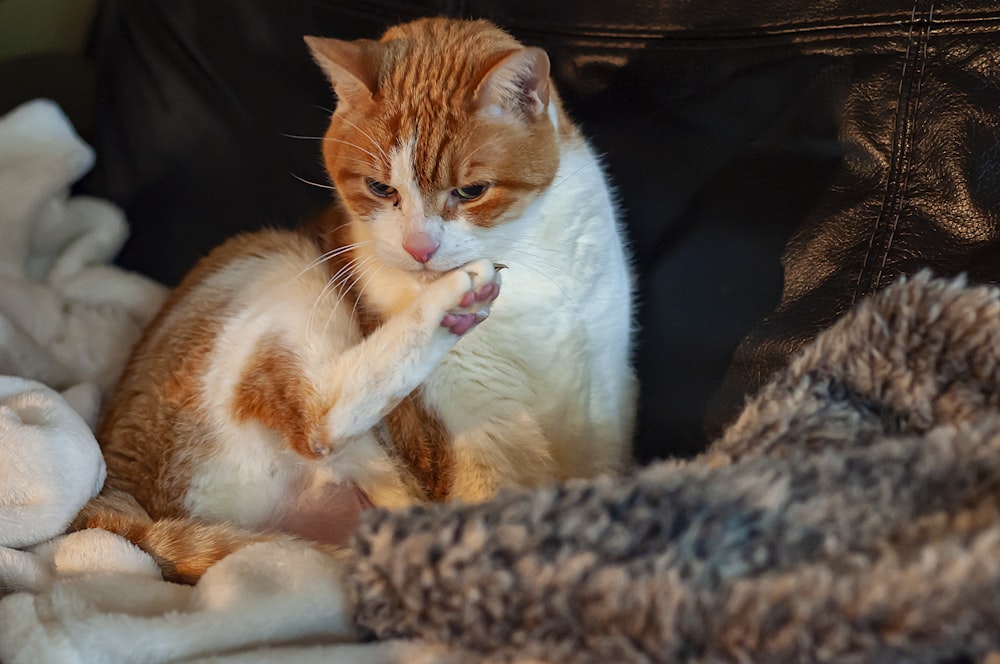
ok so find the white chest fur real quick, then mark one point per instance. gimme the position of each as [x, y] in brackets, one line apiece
[543, 389]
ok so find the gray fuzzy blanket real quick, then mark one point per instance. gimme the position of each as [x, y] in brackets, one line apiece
[850, 514]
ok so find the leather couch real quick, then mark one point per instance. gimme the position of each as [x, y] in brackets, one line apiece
[775, 160]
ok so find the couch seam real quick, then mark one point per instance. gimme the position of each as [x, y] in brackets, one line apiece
[886, 224]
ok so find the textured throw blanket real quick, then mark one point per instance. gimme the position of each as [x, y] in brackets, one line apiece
[850, 514]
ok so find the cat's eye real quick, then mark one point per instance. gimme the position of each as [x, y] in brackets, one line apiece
[470, 192]
[380, 188]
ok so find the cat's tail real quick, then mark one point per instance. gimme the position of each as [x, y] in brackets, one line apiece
[184, 548]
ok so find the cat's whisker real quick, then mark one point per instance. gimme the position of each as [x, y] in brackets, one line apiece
[338, 140]
[334, 283]
[487, 144]
[360, 274]
[316, 262]
[369, 164]
[335, 279]
[333, 253]
[353, 145]
[540, 244]
[312, 313]
[315, 184]
[354, 309]
[303, 138]
[369, 137]
[315, 307]
[546, 275]
[344, 275]
[356, 272]
[544, 252]
[569, 176]
[522, 243]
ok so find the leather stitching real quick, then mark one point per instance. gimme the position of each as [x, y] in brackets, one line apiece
[671, 37]
[887, 223]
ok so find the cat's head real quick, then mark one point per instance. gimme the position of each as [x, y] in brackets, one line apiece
[442, 135]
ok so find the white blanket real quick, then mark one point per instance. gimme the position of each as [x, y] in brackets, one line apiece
[67, 321]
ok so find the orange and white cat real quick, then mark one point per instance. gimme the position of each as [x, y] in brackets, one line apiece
[295, 377]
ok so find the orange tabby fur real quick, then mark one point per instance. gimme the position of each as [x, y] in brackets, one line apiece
[485, 114]
[455, 145]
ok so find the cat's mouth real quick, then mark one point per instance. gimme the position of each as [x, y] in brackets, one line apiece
[427, 274]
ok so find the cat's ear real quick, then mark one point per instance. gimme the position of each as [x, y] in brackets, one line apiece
[351, 67]
[518, 84]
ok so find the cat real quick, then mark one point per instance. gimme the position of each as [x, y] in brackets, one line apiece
[458, 322]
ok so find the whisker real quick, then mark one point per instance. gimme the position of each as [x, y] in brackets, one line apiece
[545, 275]
[487, 144]
[304, 138]
[545, 253]
[337, 251]
[331, 282]
[358, 276]
[345, 273]
[334, 283]
[353, 145]
[337, 140]
[344, 276]
[315, 308]
[369, 164]
[354, 310]
[364, 162]
[315, 184]
[369, 137]
[541, 244]
[569, 176]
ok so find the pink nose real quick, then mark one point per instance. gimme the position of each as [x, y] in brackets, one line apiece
[421, 246]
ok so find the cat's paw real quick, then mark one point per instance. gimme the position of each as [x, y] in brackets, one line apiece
[471, 290]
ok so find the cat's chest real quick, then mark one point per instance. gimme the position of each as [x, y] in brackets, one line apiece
[539, 361]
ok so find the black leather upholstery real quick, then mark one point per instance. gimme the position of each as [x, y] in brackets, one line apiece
[776, 160]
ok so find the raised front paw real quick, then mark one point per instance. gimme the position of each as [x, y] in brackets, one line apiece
[474, 286]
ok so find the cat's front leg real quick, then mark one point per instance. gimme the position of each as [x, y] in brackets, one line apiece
[370, 379]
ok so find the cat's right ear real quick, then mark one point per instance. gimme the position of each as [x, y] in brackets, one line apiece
[351, 67]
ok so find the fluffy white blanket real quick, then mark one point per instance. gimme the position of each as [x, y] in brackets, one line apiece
[67, 321]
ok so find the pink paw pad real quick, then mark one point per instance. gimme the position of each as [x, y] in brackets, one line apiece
[459, 324]
[488, 292]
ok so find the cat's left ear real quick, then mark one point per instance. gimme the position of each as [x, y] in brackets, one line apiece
[517, 84]
[350, 65]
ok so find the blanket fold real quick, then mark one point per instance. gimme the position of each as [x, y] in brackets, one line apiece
[66, 315]
[67, 322]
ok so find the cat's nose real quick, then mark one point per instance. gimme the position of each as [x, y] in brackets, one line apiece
[420, 245]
